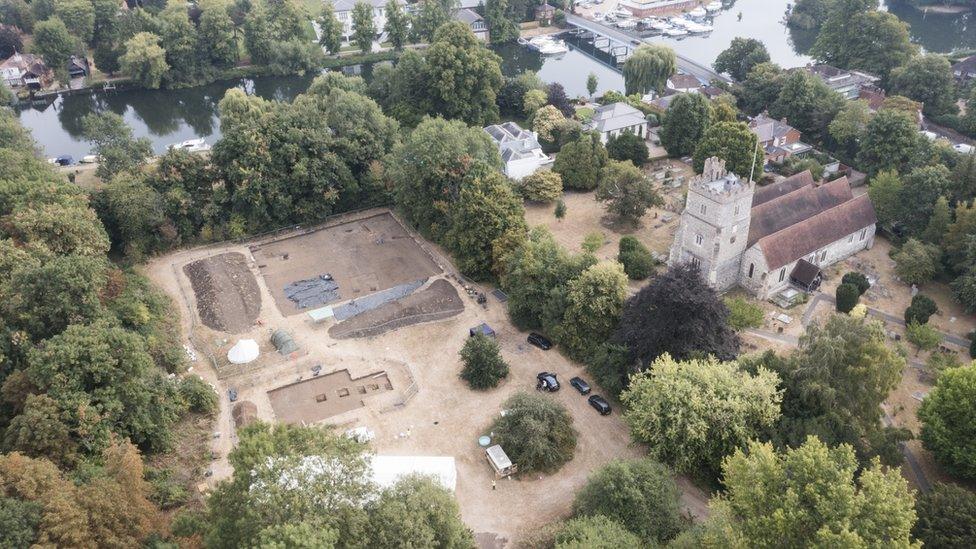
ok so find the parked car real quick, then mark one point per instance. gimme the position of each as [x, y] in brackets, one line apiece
[600, 404]
[547, 382]
[540, 341]
[580, 385]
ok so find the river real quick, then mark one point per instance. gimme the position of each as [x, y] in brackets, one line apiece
[170, 116]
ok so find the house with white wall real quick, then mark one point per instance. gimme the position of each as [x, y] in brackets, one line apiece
[520, 149]
[343, 12]
[617, 118]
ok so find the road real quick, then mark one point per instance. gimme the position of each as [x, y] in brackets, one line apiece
[685, 64]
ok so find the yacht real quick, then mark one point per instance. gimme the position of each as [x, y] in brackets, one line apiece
[661, 25]
[713, 7]
[627, 24]
[547, 45]
[675, 32]
[191, 145]
[680, 22]
[699, 28]
[698, 12]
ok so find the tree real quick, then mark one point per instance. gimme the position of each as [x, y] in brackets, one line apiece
[921, 308]
[258, 40]
[112, 139]
[595, 532]
[743, 313]
[54, 43]
[541, 186]
[848, 126]
[486, 209]
[199, 396]
[807, 102]
[740, 57]
[922, 187]
[957, 239]
[363, 28]
[695, 412]
[10, 41]
[948, 414]
[648, 69]
[397, 24]
[593, 302]
[927, 79]
[640, 495]
[591, 84]
[429, 167]
[636, 259]
[78, 16]
[464, 76]
[734, 143]
[144, 61]
[536, 432]
[834, 386]
[581, 162]
[532, 101]
[684, 124]
[847, 296]
[679, 314]
[917, 262]
[331, 29]
[923, 336]
[431, 15]
[857, 279]
[483, 364]
[501, 28]
[627, 146]
[946, 517]
[761, 88]
[418, 509]
[560, 210]
[890, 142]
[626, 191]
[939, 222]
[722, 109]
[215, 34]
[330, 484]
[885, 192]
[882, 44]
[556, 96]
[963, 187]
[40, 431]
[813, 495]
[545, 120]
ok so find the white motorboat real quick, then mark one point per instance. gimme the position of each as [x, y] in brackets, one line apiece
[698, 28]
[89, 159]
[191, 145]
[622, 13]
[698, 12]
[627, 24]
[675, 32]
[661, 26]
[680, 22]
[713, 7]
[546, 45]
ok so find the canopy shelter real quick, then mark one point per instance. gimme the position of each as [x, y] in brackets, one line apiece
[244, 351]
[283, 341]
[806, 276]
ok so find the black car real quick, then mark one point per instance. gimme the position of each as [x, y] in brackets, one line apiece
[547, 382]
[540, 341]
[600, 404]
[580, 385]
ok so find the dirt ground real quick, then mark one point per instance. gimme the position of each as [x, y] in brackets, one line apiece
[363, 257]
[439, 300]
[312, 400]
[431, 411]
[226, 292]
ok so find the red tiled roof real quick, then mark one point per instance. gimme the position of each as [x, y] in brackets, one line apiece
[788, 185]
[796, 207]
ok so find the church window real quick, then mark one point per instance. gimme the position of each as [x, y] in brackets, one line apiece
[699, 239]
[851, 239]
[752, 269]
[703, 208]
[823, 256]
[864, 233]
[782, 274]
[695, 261]
[736, 210]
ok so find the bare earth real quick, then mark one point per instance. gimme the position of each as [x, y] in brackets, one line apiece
[226, 292]
[430, 410]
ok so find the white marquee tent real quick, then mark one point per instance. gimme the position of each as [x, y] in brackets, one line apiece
[387, 470]
[244, 351]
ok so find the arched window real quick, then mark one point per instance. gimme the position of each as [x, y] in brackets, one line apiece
[752, 269]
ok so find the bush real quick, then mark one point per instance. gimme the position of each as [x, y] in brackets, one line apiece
[923, 336]
[594, 533]
[921, 308]
[847, 296]
[593, 242]
[636, 258]
[948, 414]
[605, 364]
[858, 280]
[483, 365]
[165, 491]
[198, 395]
[560, 210]
[536, 432]
[541, 186]
[940, 362]
[640, 495]
[917, 262]
[743, 313]
[946, 517]
[628, 146]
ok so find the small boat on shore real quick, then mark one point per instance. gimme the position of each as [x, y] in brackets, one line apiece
[190, 145]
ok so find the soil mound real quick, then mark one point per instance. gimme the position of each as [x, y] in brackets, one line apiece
[228, 298]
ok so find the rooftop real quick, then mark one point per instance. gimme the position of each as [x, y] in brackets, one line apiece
[513, 141]
[615, 116]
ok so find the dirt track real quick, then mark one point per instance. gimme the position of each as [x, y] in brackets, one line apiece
[227, 295]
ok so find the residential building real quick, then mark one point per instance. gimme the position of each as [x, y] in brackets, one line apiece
[474, 21]
[778, 139]
[767, 238]
[77, 67]
[520, 149]
[343, 12]
[646, 8]
[844, 82]
[545, 13]
[684, 83]
[25, 70]
[965, 69]
[617, 118]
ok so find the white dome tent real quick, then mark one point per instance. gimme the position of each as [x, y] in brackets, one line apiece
[244, 351]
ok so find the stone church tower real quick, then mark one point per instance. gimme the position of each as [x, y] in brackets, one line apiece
[714, 227]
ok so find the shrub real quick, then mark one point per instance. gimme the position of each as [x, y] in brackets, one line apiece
[923, 336]
[640, 495]
[858, 280]
[536, 432]
[917, 262]
[743, 313]
[921, 308]
[847, 296]
[948, 414]
[595, 532]
[541, 186]
[165, 491]
[628, 146]
[636, 258]
[593, 241]
[859, 311]
[940, 362]
[560, 210]
[946, 517]
[198, 395]
[483, 364]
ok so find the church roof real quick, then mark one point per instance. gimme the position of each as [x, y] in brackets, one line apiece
[788, 185]
[796, 207]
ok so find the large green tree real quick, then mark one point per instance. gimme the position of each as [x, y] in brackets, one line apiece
[78, 17]
[684, 124]
[144, 60]
[590, 308]
[948, 416]
[215, 34]
[537, 432]
[581, 162]
[112, 140]
[807, 104]
[363, 28]
[648, 69]
[397, 24]
[740, 57]
[501, 28]
[331, 29]
[626, 191]
[890, 142]
[946, 517]
[761, 88]
[734, 143]
[693, 413]
[55, 44]
[856, 35]
[927, 79]
[418, 512]
[464, 76]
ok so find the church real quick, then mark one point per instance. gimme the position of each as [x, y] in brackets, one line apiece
[768, 238]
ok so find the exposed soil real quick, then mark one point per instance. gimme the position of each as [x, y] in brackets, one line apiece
[439, 300]
[325, 396]
[227, 294]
